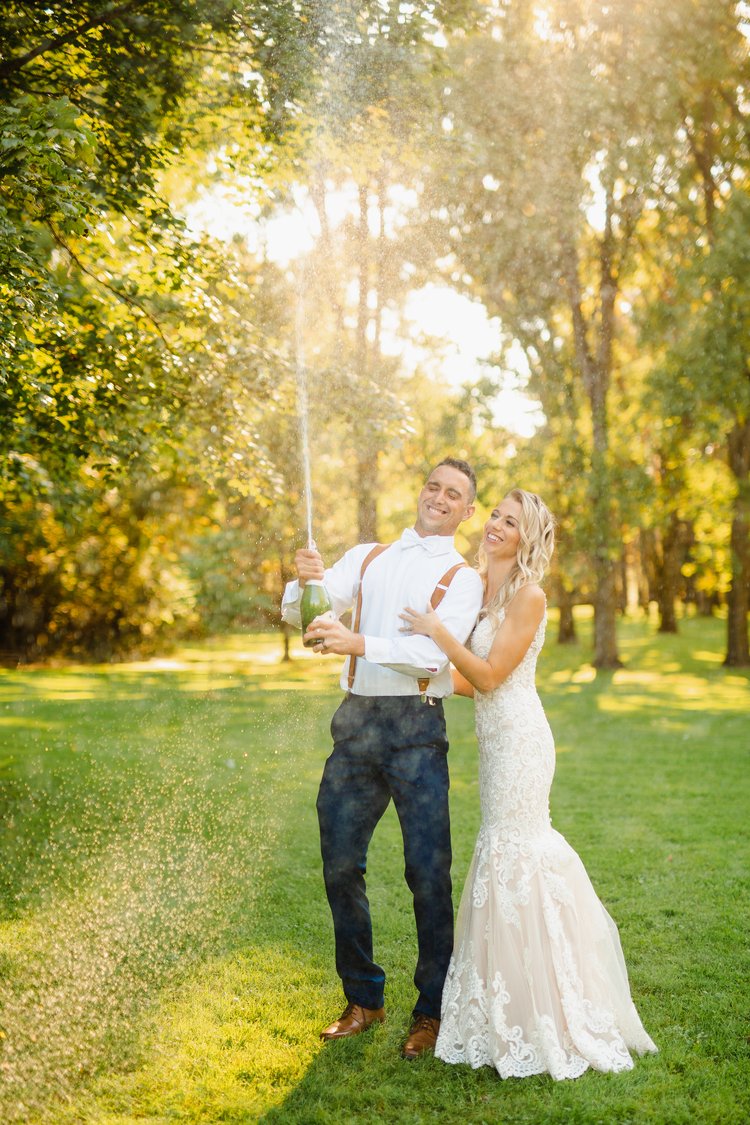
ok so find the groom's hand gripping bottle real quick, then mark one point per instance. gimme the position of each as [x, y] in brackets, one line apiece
[315, 603]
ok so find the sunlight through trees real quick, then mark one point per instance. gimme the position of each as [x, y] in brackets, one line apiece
[579, 168]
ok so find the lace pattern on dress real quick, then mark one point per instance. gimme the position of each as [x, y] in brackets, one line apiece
[537, 982]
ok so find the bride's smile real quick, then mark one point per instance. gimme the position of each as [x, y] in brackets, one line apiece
[502, 532]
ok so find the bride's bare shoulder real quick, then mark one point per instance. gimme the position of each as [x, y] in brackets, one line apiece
[529, 602]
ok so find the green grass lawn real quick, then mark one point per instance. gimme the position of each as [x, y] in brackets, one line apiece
[165, 944]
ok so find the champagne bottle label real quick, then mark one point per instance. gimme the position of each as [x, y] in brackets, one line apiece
[315, 603]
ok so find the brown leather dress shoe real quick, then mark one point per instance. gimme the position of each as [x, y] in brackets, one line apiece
[422, 1035]
[352, 1020]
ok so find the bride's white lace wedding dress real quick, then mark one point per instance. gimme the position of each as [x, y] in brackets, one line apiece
[537, 982]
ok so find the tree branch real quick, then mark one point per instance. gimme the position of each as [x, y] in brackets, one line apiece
[585, 359]
[704, 162]
[607, 292]
[123, 297]
[737, 113]
[10, 66]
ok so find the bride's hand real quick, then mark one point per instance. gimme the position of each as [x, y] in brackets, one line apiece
[424, 624]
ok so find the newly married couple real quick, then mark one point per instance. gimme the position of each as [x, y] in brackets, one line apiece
[536, 981]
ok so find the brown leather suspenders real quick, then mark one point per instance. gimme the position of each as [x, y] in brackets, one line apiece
[373, 554]
[437, 596]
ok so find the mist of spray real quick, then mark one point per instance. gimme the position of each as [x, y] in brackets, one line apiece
[303, 407]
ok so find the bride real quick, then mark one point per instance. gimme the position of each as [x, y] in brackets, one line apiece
[537, 982]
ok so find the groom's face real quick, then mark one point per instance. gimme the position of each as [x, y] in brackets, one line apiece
[444, 502]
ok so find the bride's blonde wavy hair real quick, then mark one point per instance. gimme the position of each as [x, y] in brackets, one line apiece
[536, 545]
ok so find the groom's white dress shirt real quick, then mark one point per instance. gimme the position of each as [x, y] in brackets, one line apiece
[404, 575]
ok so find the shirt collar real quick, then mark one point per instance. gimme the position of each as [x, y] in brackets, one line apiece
[432, 544]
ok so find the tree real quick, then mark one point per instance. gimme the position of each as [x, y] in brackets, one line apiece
[702, 308]
[123, 356]
[541, 191]
[544, 187]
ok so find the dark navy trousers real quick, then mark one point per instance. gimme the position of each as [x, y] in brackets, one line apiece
[388, 747]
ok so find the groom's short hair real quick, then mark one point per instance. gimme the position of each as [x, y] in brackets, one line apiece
[463, 467]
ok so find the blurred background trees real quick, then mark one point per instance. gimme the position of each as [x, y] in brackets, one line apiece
[195, 194]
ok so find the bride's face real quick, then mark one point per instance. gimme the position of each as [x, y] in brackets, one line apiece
[502, 532]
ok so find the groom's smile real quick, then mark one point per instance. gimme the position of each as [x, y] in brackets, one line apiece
[444, 502]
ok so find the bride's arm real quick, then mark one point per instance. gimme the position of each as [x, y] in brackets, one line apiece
[509, 647]
[461, 685]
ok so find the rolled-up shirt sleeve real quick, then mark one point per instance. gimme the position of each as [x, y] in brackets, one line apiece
[419, 656]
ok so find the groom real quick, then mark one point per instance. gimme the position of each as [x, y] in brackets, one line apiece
[389, 741]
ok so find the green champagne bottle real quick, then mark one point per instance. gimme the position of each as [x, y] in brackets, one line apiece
[315, 602]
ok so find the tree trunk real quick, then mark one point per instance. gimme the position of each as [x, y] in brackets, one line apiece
[605, 619]
[668, 574]
[286, 574]
[285, 631]
[648, 566]
[367, 453]
[690, 593]
[325, 276]
[622, 583]
[566, 633]
[605, 566]
[367, 513]
[738, 652]
[635, 598]
[605, 598]
[596, 371]
[706, 603]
